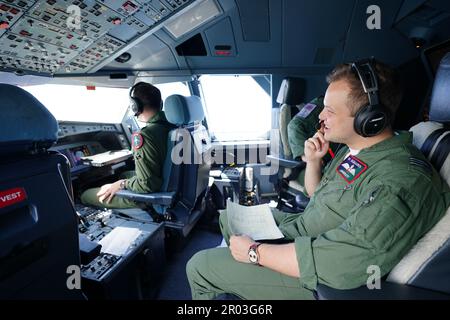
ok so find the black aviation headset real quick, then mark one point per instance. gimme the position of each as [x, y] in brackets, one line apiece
[136, 104]
[371, 119]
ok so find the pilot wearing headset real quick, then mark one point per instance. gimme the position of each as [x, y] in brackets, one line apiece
[149, 149]
[372, 203]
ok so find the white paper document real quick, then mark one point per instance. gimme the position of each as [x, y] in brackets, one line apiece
[256, 221]
[119, 240]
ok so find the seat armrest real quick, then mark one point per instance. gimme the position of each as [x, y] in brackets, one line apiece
[388, 291]
[291, 164]
[161, 198]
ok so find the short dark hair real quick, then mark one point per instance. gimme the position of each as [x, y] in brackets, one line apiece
[389, 83]
[149, 95]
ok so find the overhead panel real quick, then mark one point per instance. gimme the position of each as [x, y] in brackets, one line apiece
[379, 43]
[47, 33]
[407, 7]
[97, 52]
[220, 39]
[152, 12]
[94, 16]
[46, 56]
[249, 55]
[52, 37]
[314, 32]
[10, 12]
[255, 21]
[150, 52]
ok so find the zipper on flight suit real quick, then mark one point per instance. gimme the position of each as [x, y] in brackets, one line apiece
[343, 190]
[372, 197]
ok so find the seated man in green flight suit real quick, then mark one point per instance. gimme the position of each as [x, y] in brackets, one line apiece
[303, 126]
[149, 150]
[372, 203]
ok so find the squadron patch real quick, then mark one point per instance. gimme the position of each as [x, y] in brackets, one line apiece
[306, 110]
[351, 168]
[137, 141]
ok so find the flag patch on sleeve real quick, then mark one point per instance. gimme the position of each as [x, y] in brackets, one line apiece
[306, 110]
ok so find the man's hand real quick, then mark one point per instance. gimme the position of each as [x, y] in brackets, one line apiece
[239, 246]
[315, 148]
[108, 191]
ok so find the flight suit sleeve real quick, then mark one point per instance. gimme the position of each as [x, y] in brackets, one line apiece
[380, 230]
[147, 163]
[303, 126]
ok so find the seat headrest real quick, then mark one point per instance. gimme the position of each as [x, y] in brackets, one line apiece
[181, 110]
[25, 123]
[440, 99]
[291, 91]
[433, 139]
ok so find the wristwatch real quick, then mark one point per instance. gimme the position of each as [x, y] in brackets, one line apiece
[253, 255]
[123, 184]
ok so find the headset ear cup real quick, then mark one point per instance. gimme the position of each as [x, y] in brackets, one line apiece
[139, 106]
[135, 104]
[358, 123]
[370, 121]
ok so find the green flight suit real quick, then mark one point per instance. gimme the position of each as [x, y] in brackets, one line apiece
[149, 151]
[355, 219]
[303, 126]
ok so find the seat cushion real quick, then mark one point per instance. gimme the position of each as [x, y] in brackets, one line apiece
[419, 260]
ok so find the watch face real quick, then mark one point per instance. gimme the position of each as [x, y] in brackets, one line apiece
[252, 255]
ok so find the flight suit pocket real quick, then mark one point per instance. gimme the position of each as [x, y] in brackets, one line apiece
[364, 215]
[338, 198]
[382, 217]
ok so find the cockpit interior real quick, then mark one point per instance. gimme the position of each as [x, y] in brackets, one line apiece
[232, 75]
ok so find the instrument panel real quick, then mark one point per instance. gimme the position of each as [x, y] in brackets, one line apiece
[77, 140]
[51, 37]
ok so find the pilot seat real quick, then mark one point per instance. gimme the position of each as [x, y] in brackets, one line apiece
[291, 196]
[185, 171]
[39, 251]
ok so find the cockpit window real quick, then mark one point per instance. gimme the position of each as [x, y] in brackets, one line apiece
[170, 88]
[237, 107]
[76, 103]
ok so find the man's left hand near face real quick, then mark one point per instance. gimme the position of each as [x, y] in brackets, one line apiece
[108, 191]
[239, 246]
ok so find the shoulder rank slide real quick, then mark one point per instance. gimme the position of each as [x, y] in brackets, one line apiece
[351, 168]
[137, 141]
[306, 110]
[419, 163]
